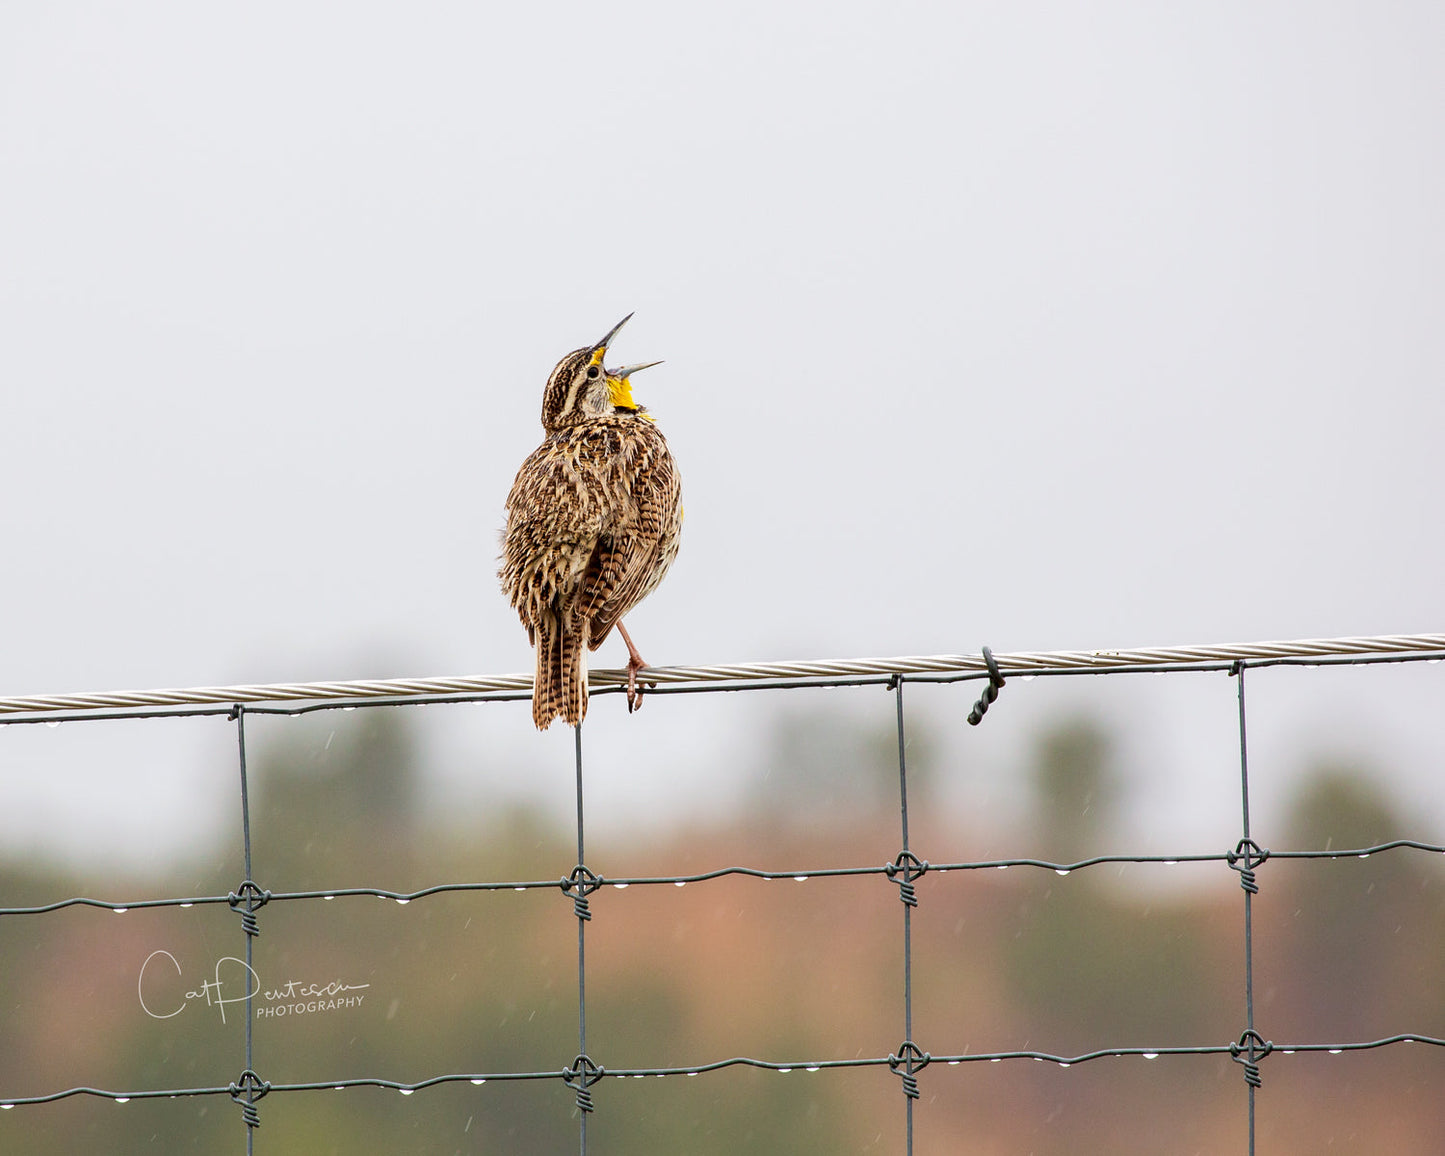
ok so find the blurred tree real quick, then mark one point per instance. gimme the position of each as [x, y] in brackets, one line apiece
[1365, 936]
[1077, 788]
[822, 767]
[1090, 964]
[326, 811]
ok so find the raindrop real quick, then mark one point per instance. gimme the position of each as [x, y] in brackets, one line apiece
[692, 1073]
[996, 1060]
[52, 725]
[120, 910]
[479, 1083]
[340, 1087]
[639, 1076]
[1061, 870]
[680, 883]
[813, 1068]
[187, 904]
[519, 889]
[1366, 855]
[1151, 1055]
[406, 1091]
[1336, 1051]
[620, 886]
[784, 1071]
[800, 878]
[403, 902]
[1289, 1051]
[122, 1099]
[954, 1063]
[348, 708]
[1029, 677]
[6, 1107]
[328, 898]
[1003, 866]
[1063, 1063]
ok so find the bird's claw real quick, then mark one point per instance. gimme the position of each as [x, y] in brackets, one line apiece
[634, 692]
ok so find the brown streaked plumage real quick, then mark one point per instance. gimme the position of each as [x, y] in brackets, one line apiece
[592, 526]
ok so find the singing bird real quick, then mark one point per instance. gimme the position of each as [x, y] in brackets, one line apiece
[593, 521]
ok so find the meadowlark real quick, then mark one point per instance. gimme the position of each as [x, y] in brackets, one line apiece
[592, 526]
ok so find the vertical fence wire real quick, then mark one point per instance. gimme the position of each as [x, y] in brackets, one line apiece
[907, 909]
[582, 917]
[1248, 898]
[1247, 856]
[905, 870]
[249, 930]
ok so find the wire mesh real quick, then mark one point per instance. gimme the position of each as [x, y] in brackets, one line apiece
[582, 1073]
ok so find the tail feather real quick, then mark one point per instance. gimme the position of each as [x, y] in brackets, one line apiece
[560, 687]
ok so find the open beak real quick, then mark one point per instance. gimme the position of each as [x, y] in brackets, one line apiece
[619, 381]
[628, 370]
[601, 346]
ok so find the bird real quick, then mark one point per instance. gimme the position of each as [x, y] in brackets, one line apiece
[593, 524]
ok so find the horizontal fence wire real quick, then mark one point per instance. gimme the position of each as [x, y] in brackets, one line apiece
[834, 672]
[801, 875]
[582, 1074]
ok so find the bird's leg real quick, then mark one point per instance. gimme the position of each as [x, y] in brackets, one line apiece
[635, 662]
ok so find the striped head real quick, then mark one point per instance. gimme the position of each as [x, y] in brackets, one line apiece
[580, 388]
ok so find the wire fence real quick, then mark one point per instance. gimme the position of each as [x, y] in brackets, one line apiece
[582, 1073]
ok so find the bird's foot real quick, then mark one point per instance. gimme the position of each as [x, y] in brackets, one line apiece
[635, 662]
[634, 692]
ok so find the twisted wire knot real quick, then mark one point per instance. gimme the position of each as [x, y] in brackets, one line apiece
[1251, 1048]
[580, 1077]
[584, 881]
[990, 692]
[254, 1088]
[1246, 856]
[903, 871]
[254, 898]
[907, 1062]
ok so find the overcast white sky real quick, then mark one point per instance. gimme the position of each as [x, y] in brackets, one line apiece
[1038, 325]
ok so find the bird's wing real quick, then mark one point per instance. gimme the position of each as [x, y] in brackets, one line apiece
[622, 567]
[556, 512]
